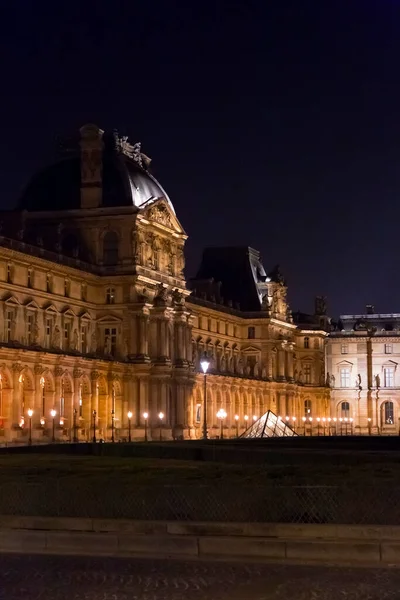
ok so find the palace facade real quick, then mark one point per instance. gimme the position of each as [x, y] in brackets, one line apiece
[101, 335]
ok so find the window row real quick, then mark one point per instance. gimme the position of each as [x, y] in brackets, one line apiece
[307, 341]
[388, 377]
[388, 348]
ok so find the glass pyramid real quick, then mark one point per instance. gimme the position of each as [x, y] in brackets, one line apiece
[269, 425]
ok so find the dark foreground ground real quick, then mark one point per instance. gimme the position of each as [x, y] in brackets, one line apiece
[81, 578]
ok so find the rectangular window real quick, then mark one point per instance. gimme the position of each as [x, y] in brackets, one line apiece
[345, 348]
[9, 274]
[84, 333]
[110, 296]
[48, 283]
[66, 287]
[345, 377]
[388, 348]
[218, 327]
[226, 328]
[9, 319]
[307, 373]
[49, 330]
[251, 333]
[30, 322]
[29, 281]
[200, 323]
[388, 377]
[67, 333]
[234, 331]
[110, 340]
[83, 291]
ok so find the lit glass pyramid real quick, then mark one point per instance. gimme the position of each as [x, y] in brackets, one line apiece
[269, 425]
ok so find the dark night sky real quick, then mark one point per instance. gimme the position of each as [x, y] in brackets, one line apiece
[273, 124]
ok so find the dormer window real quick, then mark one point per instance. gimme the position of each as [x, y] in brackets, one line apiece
[251, 333]
[110, 295]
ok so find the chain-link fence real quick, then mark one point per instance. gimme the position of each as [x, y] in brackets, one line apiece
[373, 505]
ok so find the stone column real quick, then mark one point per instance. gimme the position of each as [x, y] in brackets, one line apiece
[127, 401]
[58, 372]
[95, 394]
[143, 384]
[180, 406]
[17, 397]
[282, 404]
[143, 327]
[281, 363]
[289, 370]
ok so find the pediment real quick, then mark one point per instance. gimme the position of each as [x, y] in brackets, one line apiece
[12, 301]
[161, 213]
[32, 305]
[51, 309]
[345, 363]
[250, 350]
[307, 358]
[85, 317]
[109, 319]
[69, 313]
[389, 363]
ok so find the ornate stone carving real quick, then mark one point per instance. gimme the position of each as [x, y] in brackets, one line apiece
[55, 342]
[17, 367]
[160, 214]
[94, 341]
[59, 371]
[75, 340]
[38, 369]
[132, 151]
[94, 375]
[77, 373]
[107, 345]
[180, 259]
[162, 295]
[178, 298]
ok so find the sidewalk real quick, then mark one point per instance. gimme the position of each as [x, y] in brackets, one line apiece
[330, 544]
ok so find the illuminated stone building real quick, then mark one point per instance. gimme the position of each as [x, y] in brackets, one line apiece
[362, 359]
[97, 321]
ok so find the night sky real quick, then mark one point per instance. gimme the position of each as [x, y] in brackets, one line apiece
[274, 124]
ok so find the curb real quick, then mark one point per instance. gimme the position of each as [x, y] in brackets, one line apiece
[341, 544]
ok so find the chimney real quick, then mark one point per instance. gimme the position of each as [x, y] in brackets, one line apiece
[370, 309]
[91, 145]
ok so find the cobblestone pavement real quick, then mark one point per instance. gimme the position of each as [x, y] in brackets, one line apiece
[24, 577]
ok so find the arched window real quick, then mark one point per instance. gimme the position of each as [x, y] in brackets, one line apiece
[110, 248]
[306, 342]
[345, 410]
[388, 413]
[307, 408]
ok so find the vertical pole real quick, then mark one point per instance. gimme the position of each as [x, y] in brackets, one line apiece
[112, 426]
[54, 430]
[129, 430]
[145, 429]
[205, 432]
[30, 431]
[74, 438]
[94, 426]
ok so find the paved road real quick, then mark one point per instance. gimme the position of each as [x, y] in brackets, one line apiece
[80, 578]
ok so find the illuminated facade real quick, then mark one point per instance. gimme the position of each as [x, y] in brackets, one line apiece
[97, 321]
[362, 359]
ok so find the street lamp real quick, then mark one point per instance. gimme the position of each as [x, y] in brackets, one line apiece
[161, 416]
[145, 417]
[246, 418]
[94, 413]
[205, 363]
[221, 415]
[53, 414]
[237, 425]
[129, 426]
[30, 413]
[112, 425]
[255, 418]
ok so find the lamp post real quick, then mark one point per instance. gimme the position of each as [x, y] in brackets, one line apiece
[30, 413]
[145, 417]
[112, 425]
[129, 426]
[94, 413]
[53, 414]
[74, 437]
[246, 418]
[294, 424]
[221, 415]
[369, 425]
[161, 416]
[304, 425]
[205, 363]
[237, 425]
[311, 420]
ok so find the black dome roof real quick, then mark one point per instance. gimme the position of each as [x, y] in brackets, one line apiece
[124, 183]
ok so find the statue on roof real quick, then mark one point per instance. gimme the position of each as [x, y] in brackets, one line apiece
[132, 151]
[276, 275]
